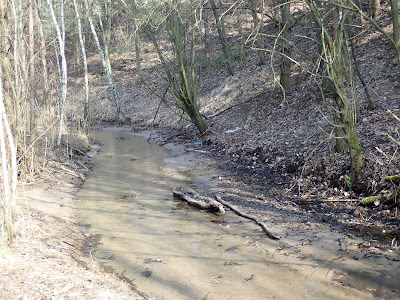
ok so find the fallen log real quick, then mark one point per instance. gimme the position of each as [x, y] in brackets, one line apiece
[195, 199]
[248, 216]
[372, 200]
[392, 197]
[395, 179]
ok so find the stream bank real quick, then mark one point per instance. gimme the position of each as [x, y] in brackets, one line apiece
[50, 257]
[172, 251]
[313, 243]
[324, 253]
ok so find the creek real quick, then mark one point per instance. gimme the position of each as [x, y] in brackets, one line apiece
[168, 249]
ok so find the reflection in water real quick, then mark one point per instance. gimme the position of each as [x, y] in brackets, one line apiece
[167, 249]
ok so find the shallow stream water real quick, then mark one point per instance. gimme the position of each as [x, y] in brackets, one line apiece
[170, 250]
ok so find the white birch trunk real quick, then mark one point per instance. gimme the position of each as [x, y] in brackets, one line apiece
[61, 44]
[82, 43]
[9, 184]
[103, 61]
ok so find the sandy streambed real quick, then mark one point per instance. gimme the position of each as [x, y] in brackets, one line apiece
[171, 251]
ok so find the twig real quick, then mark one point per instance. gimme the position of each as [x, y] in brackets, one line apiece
[34, 142]
[74, 173]
[307, 159]
[247, 216]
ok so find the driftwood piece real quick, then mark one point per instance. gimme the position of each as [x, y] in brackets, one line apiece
[195, 199]
[248, 216]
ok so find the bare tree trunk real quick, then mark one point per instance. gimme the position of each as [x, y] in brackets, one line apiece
[61, 44]
[105, 27]
[17, 91]
[31, 67]
[43, 55]
[318, 38]
[206, 36]
[339, 130]
[258, 24]
[339, 74]
[31, 42]
[334, 21]
[6, 181]
[137, 41]
[9, 184]
[285, 79]
[12, 147]
[85, 70]
[22, 53]
[394, 10]
[241, 35]
[222, 36]
[101, 53]
[5, 46]
[3, 19]
[182, 77]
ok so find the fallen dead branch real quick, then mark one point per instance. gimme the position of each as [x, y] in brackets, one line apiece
[248, 216]
[318, 201]
[73, 173]
[392, 197]
[395, 179]
[206, 203]
[195, 199]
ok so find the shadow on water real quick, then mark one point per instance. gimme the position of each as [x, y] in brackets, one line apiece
[169, 250]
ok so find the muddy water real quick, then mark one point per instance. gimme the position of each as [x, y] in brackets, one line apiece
[169, 250]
